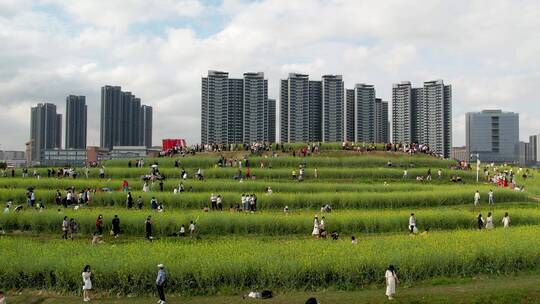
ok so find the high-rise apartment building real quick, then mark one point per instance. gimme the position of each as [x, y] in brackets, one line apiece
[295, 110]
[492, 134]
[146, 126]
[381, 123]
[402, 126]
[121, 120]
[234, 110]
[423, 115]
[256, 116]
[364, 116]
[271, 121]
[76, 122]
[534, 144]
[45, 130]
[333, 108]
[349, 115]
[315, 111]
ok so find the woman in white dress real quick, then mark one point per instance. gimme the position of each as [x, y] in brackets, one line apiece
[87, 287]
[506, 220]
[489, 221]
[391, 281]
[316, 227]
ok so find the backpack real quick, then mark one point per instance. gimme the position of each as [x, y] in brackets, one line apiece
[266, 294]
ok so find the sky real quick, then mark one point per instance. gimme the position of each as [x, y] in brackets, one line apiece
[159, 50]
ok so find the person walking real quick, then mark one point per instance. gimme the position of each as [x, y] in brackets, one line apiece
[213, 201]
[192, 229]
[99, 225]
[477, 198]
[116, 226]
[148, 228]
[87, 283]
[65, 228]
[129, 201]
[506, 220]
[140, 202]
[480, 221]
[412, 222]
[160, 283]
[315, 232]
[219, 203]
[491, 200]
[72, 228]
[391, 281]
[489, 222]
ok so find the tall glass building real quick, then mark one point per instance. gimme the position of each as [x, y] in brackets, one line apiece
[493, 135]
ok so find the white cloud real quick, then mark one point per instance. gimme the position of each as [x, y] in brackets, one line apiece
[487, 52]
[119, 14]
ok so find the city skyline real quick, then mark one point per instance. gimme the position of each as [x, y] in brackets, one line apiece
[161, 50]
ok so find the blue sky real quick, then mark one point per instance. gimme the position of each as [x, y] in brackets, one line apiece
[160, 49]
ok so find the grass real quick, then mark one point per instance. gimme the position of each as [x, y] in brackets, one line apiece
[237, 265]
[351, 222]
[483, 289]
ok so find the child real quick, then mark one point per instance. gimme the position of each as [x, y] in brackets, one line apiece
[182, 232]
[354, 241]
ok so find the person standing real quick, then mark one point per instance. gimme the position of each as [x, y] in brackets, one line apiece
[72, 228]
[153, 204]
[213, 201]
[412, 222]
[391, 281]
[129, 200]
[480, 221]
[65, 228]
[192, 229]
[477, 198]
[87, 287]
[148, 228]
[140, 202]
[160, 283]
[489, 221]
[506, 220]
[219, 202]
[405, 174]
[315, 232]
[491, 200]
[99, 225]
[116, 226]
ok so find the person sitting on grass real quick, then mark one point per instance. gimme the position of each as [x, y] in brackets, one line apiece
[2, 297]
[354, 241]
[335, 235]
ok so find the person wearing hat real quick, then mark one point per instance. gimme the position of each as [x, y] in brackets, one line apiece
[160, 283]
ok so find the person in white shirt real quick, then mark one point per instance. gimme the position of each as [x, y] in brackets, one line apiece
[315, 232]
[491, 200]
[192, 229]
[506, 220]
[405, 174]
[354, 241]
[412, 222]
[489, 221]
[87, 287]
[391, 280]
[145, 187]
[477, 198]
[182, 232]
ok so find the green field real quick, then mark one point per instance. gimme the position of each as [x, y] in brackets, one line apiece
[235, 252]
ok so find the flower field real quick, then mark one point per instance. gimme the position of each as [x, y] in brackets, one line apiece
[233, 251]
